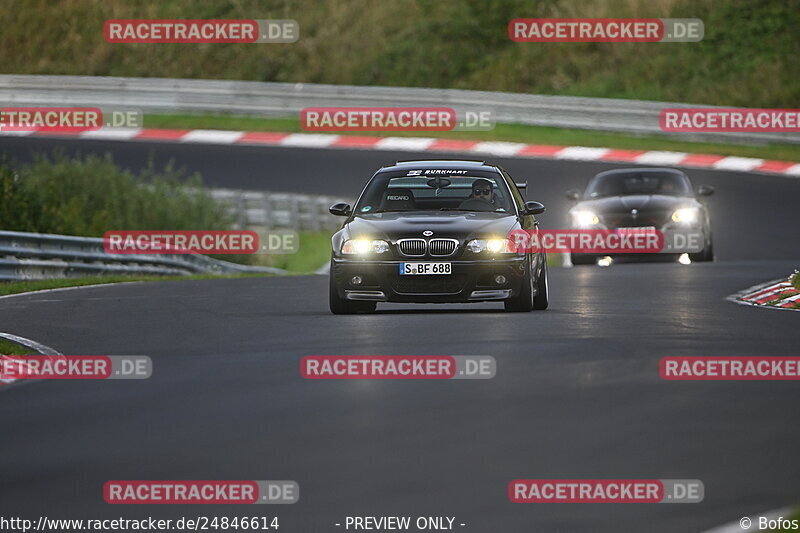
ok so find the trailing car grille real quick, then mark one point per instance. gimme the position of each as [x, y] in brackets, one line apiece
[429, 284]
[412, 247]
[442, 246]
[628, 221]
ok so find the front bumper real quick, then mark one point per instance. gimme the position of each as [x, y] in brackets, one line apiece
[677, 240]
[471, 281]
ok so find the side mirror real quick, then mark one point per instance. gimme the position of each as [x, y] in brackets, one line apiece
[705, 190]
[340, 210]
[533, 208]
[573, 195]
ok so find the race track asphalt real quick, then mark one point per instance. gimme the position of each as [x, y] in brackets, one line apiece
[577, 392]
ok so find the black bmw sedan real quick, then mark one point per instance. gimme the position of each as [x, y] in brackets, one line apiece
[658, 199]
[436, 232]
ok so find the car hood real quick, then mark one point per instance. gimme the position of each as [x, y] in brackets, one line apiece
[453, 225]
[642, 202]
[652, 209]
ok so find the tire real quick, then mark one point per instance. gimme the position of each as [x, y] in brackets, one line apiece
[707, 254]
[582, 259]
[542, 298]
[523, 303]
[341, 306]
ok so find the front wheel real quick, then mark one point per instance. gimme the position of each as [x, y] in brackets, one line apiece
[542, 298]
[707, 254]
[582, 259]
[341, 306]
[522, 303]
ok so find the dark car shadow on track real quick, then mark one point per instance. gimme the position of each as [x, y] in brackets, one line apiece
[434, 311]
[423, 311]
[384, 312]
[499, 311]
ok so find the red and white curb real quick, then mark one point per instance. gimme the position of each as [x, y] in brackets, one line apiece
[430, 144]
[28, 343]
[761, 295]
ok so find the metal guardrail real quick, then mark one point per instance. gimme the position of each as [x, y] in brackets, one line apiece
[27, 256]
[265, 210]
[287, 99]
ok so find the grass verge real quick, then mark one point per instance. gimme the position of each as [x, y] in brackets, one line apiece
[313, 253]
[555, 260]
[16, 287]
[12, 348]
[502, 132]
[795, 516]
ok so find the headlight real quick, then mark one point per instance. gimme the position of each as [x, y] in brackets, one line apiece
[494, 246]
[686, 215]
[364, 247]
[585, 218]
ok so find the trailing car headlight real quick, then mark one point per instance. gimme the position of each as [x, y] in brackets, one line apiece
[364, 247]
[493, 246]
[686, 215]
[585, 218]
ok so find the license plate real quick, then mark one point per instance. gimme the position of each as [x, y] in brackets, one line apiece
[425, 269]
[643, 229]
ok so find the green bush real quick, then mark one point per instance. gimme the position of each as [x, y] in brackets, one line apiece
[17, 210]
[90, 195]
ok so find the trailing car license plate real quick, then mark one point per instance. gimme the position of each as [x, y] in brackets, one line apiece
[642, 229]
[425, 269]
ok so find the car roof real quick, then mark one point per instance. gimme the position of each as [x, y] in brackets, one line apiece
[461, 164]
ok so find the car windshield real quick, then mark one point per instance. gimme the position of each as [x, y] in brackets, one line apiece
[389, 192]
[629, 183]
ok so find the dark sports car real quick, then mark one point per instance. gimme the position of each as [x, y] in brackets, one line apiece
[646, 198]
[436, 232]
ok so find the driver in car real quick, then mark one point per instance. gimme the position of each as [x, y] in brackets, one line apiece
[667, 186]
[482, 197]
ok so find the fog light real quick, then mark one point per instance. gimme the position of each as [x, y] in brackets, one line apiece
[356, 280]
[500, 279]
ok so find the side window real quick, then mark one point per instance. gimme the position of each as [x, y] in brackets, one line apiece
[518, 199]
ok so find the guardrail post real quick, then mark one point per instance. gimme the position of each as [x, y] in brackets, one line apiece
[295, 221]
[313, 206]
[267, 203]
[241, 210]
